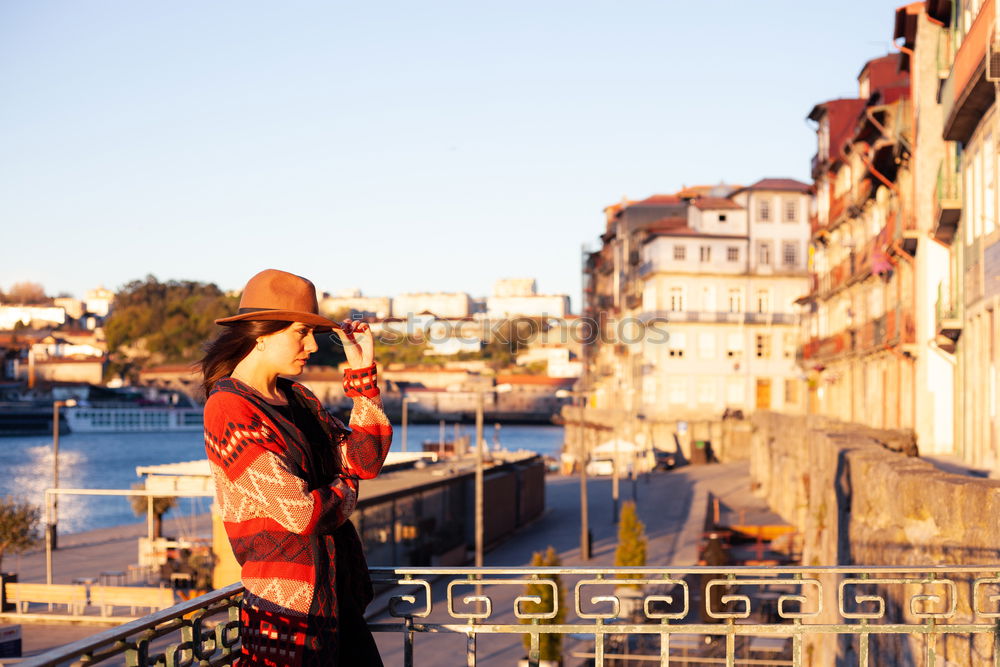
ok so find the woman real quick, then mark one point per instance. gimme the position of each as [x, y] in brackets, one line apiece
[286, 475]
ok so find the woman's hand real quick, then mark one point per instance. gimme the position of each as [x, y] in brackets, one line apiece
[358, 342]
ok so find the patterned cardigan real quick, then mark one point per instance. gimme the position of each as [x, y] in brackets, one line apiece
[281, 526]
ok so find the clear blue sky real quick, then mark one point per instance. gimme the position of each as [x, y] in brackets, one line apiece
[391, 146]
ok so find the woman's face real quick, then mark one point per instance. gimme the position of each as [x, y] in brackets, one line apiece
[286, 351]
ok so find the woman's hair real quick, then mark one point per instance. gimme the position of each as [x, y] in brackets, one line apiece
[230, 346]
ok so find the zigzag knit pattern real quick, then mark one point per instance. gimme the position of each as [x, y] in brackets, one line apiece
[276, 524]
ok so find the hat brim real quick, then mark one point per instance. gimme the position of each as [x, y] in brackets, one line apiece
[319, 322]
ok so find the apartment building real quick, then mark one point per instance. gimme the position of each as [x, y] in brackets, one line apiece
[965, 220]
[713, 275]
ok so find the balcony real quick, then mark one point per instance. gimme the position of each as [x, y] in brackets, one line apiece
[947, 320]
[653, 622]
[948, 203]
[966, 95]
[718, 317]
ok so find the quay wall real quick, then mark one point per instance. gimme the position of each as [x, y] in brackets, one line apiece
[855, 501]
[729, 438]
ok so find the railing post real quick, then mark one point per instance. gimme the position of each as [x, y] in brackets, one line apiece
[408, 643]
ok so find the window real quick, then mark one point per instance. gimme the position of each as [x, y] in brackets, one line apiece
[676, 344]
[763, 344]
[679, 253]
[676, 299]
[735, 300]
[722, 217]
[734, 345]
[791, 392]
[790, 253]
[763, 301]
[706, 345]
[764, 210]
[735, 391]
[789, 345]
[791, 210]
[708, 299]
[733, 253]
[706, 253]
[678, 389]
[989, 186]
[706, 390]
[764, 253]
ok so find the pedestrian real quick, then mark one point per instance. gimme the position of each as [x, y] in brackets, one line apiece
[286, 475]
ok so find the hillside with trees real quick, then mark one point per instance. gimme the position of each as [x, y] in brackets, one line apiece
[157, 322]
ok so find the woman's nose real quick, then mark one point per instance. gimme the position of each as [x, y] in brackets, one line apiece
[311, 345]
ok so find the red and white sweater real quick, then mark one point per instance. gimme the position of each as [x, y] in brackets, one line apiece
[280, 528]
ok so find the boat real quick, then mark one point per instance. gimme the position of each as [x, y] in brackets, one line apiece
[133, 419]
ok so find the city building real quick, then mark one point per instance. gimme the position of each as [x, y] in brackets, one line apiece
[352, 301]
[519, 297]
[441, 304]
[861, 325]
[99, 301]
[711, 276]
[965, 220]
[35, 317]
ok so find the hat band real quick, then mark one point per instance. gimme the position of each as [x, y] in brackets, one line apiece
[244, 311]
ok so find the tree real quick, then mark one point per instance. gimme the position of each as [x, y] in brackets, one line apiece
[18, 526]
[549, 644]
[154, 322]
[160, 507]
[27, 293]
[631, 551]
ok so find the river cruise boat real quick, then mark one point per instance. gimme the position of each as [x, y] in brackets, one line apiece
[139, 419]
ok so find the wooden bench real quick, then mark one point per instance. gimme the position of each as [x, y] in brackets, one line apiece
[109, 597]
[73, 596]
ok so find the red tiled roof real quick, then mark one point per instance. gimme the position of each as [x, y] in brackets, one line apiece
[658, 200]
[883, 72]
[782, 184]
[715, 203]
[665, 224]
[688, 232]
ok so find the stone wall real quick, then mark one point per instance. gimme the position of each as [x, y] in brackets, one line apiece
[730, 438]
[857, 502]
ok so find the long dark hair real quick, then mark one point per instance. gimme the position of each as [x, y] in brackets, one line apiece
[231, 345]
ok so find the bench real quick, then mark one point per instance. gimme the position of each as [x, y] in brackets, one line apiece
[109, 597]
[73, 596]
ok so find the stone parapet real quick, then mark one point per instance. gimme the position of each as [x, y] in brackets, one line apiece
[858, 502]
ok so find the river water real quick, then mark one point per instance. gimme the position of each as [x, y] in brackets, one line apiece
[109, 460]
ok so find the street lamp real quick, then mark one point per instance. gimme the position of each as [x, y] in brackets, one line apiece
[499, 389]
[51, 528]
[406, 402]
[584, 514]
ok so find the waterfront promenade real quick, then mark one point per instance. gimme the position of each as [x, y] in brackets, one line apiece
[671, 504]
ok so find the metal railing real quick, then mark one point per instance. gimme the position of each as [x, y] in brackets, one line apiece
[672, 610]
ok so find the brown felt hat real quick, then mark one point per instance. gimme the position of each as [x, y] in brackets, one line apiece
[279, 295]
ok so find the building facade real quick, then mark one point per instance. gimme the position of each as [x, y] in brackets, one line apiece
[966, 222]
[712, 276]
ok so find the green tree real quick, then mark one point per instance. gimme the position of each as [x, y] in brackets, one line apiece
[549, 644]
[631, 550]
[18, 526]
[154, 322]
[161, 506]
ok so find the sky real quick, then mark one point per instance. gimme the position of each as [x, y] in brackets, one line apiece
[389, 146]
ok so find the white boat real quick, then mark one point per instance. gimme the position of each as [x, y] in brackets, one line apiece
[86, 419]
